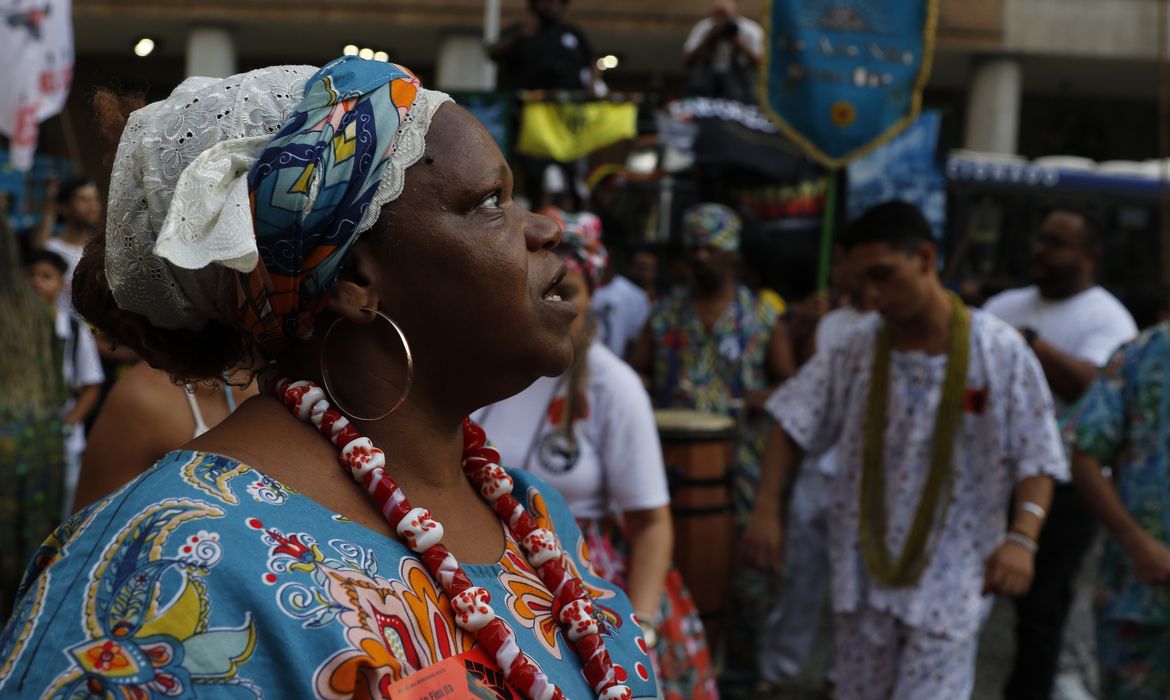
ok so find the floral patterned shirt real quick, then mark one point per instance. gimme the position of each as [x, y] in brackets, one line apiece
[711, 372]
[1122, 421]
[205, 578]
[1008, 434]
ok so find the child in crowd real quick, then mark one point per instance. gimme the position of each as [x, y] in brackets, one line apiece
[82, 366]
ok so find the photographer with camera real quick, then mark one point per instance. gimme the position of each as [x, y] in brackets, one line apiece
[722, 52]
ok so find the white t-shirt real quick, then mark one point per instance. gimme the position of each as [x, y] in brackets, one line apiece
[724, 50]
[621, 308]
[72, 255]
[617, 463]
[1008, 434]
[1089, 325]
[82, 367]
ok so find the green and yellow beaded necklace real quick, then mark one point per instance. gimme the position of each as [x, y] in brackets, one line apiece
[907, 569]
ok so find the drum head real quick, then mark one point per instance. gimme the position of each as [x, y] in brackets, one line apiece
[678, 424]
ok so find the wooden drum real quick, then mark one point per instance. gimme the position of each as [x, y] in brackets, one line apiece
[698, 449]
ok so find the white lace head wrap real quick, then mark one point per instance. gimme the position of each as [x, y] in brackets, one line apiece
[213, 186]
[160, 142]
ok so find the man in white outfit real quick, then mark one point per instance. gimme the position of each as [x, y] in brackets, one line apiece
[939, 415]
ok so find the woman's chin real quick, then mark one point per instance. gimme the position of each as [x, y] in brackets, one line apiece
[559, 359]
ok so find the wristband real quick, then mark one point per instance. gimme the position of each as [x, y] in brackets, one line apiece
[1034, 509]
[1021, 539]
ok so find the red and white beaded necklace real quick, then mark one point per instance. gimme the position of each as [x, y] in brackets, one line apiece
[572, 606]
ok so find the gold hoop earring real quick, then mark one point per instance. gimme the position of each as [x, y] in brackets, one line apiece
[409, 368]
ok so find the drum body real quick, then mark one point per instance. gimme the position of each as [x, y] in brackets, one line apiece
[698, 449]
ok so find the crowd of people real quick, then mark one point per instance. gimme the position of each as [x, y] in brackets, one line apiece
[344, 273]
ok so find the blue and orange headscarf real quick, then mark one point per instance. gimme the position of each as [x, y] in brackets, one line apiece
[321, 182]
[581, 247]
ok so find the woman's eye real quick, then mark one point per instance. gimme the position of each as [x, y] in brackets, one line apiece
[492, 201]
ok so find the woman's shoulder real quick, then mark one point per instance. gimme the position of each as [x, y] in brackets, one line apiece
[607, 367]
[614, 613]
[145, 391]
[172, 582]
[204, 576]
[616, 392]
[527, 486]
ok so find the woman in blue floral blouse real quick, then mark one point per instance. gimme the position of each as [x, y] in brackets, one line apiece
[318, 223]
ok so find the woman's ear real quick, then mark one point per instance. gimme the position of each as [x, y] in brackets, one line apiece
[357, 287]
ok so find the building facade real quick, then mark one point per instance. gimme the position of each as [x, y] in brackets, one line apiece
[1033, 77]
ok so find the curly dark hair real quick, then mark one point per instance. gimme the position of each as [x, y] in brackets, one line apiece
[188, 355]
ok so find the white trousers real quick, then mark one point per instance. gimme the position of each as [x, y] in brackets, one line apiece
[881, 658]
[790, 632]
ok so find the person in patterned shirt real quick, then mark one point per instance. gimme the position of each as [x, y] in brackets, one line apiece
[716, 348]
[1122, 421]
[937, 412]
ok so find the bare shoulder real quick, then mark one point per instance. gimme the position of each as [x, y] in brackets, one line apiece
[263, 435]
[144, 388]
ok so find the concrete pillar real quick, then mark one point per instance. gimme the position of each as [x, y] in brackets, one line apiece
[211, 52]
[464, 64]
[993, 106]
[491, 34]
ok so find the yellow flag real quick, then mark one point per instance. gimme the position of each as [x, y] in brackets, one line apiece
[566, 132]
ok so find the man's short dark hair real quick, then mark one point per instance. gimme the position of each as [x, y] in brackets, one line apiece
[1091, 227]
[69, 187]
[898, 224]
[46, 256]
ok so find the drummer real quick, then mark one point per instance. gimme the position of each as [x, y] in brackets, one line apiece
[591, 434]
[715, 347]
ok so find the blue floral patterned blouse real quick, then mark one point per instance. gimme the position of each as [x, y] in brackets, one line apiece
[205, 578]
[1122, 421]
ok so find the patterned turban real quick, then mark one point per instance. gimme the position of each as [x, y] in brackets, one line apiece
[581, 246]
[237, 200]
[711, 226]
[321, 182]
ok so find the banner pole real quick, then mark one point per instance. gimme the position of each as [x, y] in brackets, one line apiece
[827, 222]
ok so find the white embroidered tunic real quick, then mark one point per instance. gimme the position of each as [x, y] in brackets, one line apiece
[1008, 434]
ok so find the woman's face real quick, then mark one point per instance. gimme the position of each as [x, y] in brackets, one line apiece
[469, 274]
[574, 290]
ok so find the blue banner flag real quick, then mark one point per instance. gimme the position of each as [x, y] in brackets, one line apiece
[840, 77]
[904, 168]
